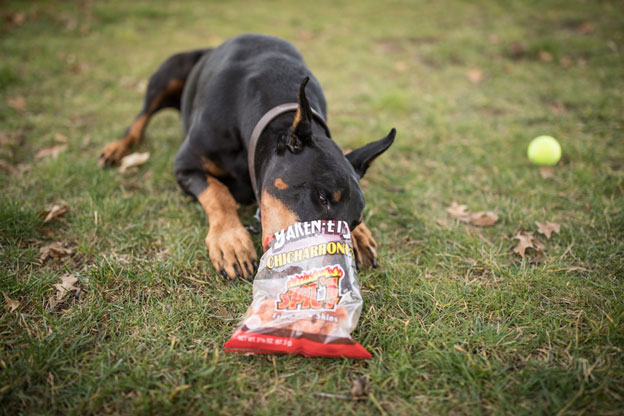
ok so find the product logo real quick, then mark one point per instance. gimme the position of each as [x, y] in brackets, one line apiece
[313, 289]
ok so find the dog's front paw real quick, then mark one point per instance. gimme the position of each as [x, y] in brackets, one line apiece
[231, 251]
[112, 153]
[365, 246]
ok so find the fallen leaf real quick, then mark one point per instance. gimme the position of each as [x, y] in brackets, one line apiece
[585, 28]
[457, 210]
[358, 389]
[134, 159]
[483, 218]
[7, 167]
[56, 250]
[60, 138]
[51, 151]
[548, 228]
[480, 219]
[547, 172]
[63, 288]
[475, 76]
[526, 241]
[400, 66]
[55, 211]
[517, 50]
[67, 284]
[18, 103]
[12, 304]
[17, 18]
[545, 56]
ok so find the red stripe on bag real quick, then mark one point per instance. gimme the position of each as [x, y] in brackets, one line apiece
[251, 342]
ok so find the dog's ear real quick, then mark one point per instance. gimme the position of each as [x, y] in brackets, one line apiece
[362, 158]
[301, 130]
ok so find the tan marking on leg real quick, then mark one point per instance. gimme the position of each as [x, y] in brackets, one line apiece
[297, 118]
[229, 245]
[275, 215]
[336, 196]
[280, 184]
[365, 245]
[212, 168]
[174, 87]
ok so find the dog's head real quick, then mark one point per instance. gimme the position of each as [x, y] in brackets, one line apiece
[310, 178]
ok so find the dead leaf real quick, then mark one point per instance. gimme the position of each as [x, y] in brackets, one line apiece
[60, 138]
[63, 288]
[51, 151]
[56, 250]
[545, 56]
[517, 50]
[457, 210]
[475, 76]
[55, 211]
[7, 167]
[358, 389]
[526, 241]
[585, 28]
[134, 159]
[548, 228]
[480, 219]
[17, 18]
[547, 172]
[483, 218]
[400, 66]
[12, 304]
[18, 103]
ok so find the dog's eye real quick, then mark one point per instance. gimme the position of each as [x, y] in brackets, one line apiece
[324, 200]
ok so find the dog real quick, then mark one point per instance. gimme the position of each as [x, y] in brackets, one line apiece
[253, 116]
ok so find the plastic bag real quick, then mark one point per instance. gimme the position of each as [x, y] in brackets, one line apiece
[306, 297]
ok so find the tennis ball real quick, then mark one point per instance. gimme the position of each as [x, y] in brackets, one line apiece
[544, 150]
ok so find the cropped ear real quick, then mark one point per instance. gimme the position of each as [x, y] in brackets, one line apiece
[362, 158]
[301, 130]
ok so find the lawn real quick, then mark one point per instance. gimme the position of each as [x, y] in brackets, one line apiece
[457, 321]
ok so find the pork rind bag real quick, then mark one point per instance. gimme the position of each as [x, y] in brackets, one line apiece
[306, 297]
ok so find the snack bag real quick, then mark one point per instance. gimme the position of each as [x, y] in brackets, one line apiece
[306, 297]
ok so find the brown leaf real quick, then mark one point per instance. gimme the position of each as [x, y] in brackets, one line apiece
[585, 28]
[56, 250]
[457, 211]
[134, 159]
[55, 211]
[12, 304]
[18, 103]
[547, 172]
[400, 66]
[548, 228]
[480, 219]
[66, 285]
[475, 76]
[8, 168]
[545, 56]
[483, 218]
[51, 151]
[60, 138]
[358, 389]
[526, 241]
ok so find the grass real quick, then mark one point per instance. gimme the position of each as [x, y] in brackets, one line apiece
[457, 322]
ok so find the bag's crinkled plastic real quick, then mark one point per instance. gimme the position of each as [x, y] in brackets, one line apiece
[306, 298]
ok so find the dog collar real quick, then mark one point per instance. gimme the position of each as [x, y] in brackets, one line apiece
[259, 128]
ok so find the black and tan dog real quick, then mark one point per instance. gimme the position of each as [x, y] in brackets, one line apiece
[249, 135]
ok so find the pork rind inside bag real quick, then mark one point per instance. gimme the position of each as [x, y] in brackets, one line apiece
[306, 297]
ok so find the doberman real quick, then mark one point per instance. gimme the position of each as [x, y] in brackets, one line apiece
[248, 87]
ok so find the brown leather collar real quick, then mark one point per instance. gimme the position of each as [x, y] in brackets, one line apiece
[257, 131]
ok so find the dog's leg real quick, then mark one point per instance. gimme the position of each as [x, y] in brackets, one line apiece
[365, 246]
[229, 245]
[163, 90]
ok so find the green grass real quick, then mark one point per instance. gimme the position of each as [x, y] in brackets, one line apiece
[457, 323]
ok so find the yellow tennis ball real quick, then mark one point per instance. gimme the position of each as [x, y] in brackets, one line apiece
[544, 150]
